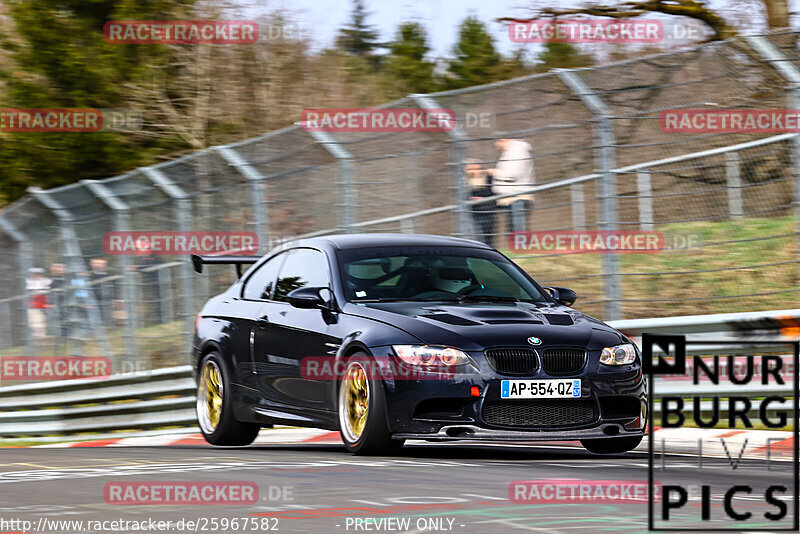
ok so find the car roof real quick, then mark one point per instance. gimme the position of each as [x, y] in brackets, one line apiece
[345, 241]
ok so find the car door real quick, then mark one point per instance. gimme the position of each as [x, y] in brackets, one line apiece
[296, 334]
[252, 328]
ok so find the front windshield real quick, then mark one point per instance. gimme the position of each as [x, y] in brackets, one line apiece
[432, 273]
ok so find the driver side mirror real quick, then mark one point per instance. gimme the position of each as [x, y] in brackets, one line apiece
[563, 295]
[307, 297]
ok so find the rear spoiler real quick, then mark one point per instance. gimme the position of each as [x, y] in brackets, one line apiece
[238, 261]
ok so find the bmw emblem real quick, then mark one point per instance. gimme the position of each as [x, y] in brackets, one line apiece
[533, 340]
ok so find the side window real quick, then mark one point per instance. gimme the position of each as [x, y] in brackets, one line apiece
[304, 267]
[261, 284]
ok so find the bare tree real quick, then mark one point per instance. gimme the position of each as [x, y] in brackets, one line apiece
[777, 13]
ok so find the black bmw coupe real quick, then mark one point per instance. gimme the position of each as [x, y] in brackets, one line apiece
[388, 337]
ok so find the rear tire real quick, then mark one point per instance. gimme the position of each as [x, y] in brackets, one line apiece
[363, 423]
[214, 405]
[612, 445]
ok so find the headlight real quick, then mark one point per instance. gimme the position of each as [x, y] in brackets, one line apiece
[430, 356]
[618, 355]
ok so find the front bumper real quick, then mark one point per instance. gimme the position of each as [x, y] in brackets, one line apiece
[443, 410]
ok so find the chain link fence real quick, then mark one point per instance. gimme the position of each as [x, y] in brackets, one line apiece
[726, 203]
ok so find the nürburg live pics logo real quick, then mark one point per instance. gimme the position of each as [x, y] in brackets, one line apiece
[733, 482]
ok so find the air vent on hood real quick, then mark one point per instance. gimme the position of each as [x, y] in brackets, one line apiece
[449, 319]
[558, 319]
[513, 321]
[488, 314]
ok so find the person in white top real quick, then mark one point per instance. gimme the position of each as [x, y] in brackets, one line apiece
[514, 173]
[37, 285]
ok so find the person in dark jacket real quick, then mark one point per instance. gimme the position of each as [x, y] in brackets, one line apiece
[105, 290]
[58, 298]
[483, 214]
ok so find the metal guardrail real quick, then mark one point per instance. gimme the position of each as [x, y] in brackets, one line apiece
[152, 399]
[725, 323]
[165, 397]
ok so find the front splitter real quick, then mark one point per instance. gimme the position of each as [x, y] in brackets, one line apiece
[471, 432]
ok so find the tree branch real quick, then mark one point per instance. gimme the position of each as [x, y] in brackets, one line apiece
[694, 9]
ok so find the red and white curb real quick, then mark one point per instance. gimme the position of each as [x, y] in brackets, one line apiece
[274, 436]
[763, 444]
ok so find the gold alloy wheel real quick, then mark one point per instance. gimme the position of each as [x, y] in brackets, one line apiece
[354, 401]
[209, 397]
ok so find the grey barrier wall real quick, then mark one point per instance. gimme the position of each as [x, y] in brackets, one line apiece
[725, 202]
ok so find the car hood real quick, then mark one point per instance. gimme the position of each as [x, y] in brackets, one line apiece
[474, 326]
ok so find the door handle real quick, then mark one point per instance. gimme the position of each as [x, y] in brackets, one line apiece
[262, 321]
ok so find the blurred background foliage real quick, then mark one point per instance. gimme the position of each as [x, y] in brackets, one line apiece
[191, 96]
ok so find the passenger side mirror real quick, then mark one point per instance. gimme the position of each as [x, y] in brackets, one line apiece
[563, 295]
[307, 297]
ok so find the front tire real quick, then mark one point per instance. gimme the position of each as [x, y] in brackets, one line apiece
[362, 411]
[214, 405]
[611, 445]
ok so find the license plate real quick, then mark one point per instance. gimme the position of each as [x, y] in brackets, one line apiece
[540, 389]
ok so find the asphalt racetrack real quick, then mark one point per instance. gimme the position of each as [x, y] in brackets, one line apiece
[319, 488]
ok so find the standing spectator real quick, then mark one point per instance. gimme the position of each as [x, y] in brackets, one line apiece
[58, 298]
[514, 173]
[79, 305]
[37, 286]
[104, 290]
[483, 214]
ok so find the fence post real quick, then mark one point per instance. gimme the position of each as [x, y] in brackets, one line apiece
[458, 151]
[121, 224]
[258, 198]
[25, 259]
[167, 294]
[183, 217]
[791, 74]
[7, 327]
[577, 200]
[644, 188]
[734, 180]
[72, 253]
[347, 195]
[605, 155]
